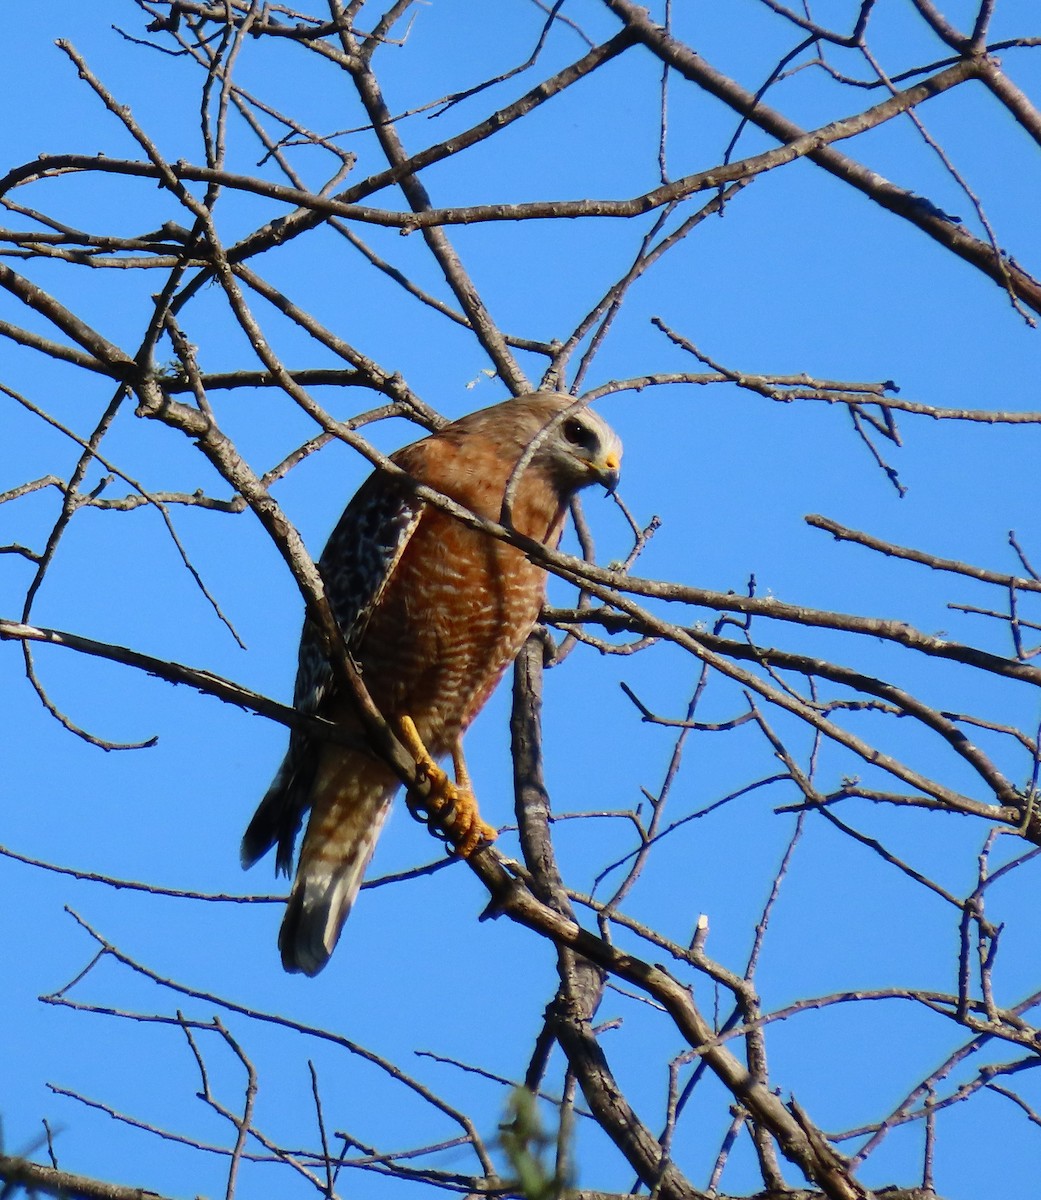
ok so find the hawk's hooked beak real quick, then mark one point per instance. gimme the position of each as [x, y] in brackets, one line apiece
[607, 468]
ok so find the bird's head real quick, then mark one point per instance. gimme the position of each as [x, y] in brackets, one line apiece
[574, 445]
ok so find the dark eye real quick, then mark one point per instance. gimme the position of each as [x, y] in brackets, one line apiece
[577, 433]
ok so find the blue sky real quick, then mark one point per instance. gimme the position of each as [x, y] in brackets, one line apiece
[800, 275]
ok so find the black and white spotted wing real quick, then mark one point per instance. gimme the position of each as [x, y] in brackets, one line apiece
[356, 565]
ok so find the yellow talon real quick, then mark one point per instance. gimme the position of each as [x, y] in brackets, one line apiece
[461, 820]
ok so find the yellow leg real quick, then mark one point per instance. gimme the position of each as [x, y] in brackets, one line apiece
[454, 805]
[462, 775]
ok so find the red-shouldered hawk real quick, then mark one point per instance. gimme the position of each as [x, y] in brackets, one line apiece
[433, 613]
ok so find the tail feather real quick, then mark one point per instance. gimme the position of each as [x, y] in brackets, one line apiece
[278, 816]
[324, 892]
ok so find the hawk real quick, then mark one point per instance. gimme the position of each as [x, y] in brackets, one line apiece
[433, 613]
